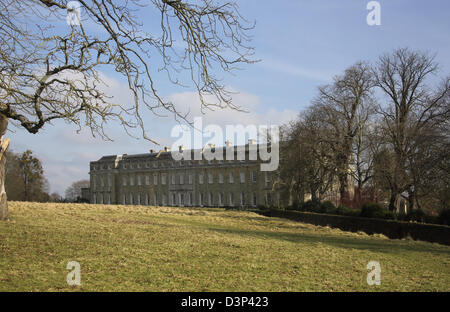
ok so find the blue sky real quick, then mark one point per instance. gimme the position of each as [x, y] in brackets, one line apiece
[301, 44]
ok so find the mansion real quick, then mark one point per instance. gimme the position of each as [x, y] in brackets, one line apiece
[157, 179]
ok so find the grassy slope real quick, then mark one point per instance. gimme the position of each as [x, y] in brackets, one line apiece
[137, 248]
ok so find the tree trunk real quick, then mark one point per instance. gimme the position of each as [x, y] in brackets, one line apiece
[4, 143]
[3, 202]
[393, 200]
[343, 190]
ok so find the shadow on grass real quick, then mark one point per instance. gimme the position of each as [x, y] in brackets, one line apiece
[362, 243]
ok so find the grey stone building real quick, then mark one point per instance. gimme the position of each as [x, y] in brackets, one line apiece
[157, 179]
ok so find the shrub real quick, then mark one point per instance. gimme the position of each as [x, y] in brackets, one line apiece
[416, 215]
[444, 217]
[262, 207]
[391, 215]
[312, 206]
[431, 219]
[373, 210]
[328, 207]
[296, 205]
[347, 211]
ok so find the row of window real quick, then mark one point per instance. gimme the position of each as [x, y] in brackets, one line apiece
[177, 179]
[160, 164]
[182, 199]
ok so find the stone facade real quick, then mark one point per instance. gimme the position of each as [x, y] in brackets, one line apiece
[157, 179]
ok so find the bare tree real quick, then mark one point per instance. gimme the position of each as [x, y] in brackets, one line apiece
[411, 108]
[345, 105]
[306, 160]
[366, 144]
[73, 192]
[49, 72]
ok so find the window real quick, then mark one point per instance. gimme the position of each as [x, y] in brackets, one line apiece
[139, 165]
[124, 199]
[139, 180]
[181, 178]
[102, 182]
[242, 199]
[155, 179]
[155, 199]
[147, 199]
[109, 180]
[173, 179]
[200, 199]
[210, 178]
[155, 164]
[131, 199]
[124, 166]
[163, 179]
[210, 199]
[231, 177]
[190, 179]
[254, 175]
[242, 176]
[131, 180]
[220, 178]
[147, 180]
[139, 199]
[174, 199]
[200, 178]
[190, 199]
[181, 200]
[220, 199]
[231, 199]
[268, 199]
[124, 181]
[254, 199]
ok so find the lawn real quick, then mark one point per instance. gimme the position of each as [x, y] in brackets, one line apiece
[138, 248]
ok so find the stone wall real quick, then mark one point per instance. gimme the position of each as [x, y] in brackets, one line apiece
[392, 229]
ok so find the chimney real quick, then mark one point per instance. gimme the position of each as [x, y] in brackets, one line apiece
[166, 149]
[228, 144]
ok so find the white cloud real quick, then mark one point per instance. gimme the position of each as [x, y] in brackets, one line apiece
[295, 70]
[255, 112]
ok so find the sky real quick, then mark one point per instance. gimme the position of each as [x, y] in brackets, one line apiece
[301, 44]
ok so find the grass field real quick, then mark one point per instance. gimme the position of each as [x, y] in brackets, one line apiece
[137, 248]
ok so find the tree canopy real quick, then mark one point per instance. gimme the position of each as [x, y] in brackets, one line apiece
[52, 70]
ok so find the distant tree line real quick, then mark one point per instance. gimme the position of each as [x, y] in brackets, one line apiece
[25, 180]
[379, 132]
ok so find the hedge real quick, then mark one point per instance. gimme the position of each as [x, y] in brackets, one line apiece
[392, 229]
